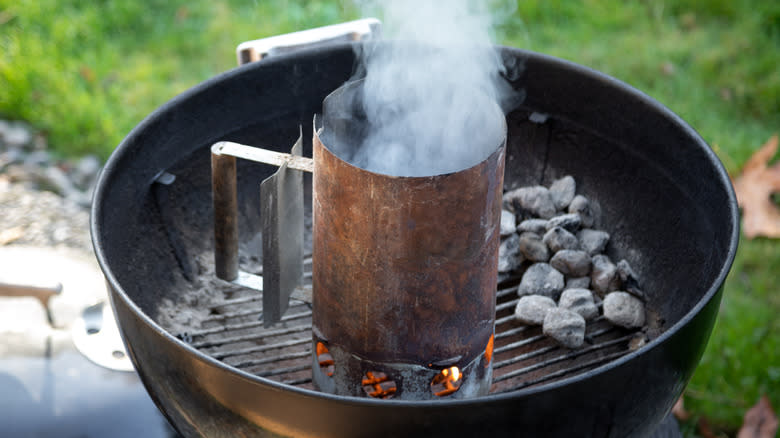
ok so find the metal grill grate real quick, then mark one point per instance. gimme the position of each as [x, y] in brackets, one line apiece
[523, 356]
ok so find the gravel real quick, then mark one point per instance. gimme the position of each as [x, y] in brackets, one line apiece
[565, 326]
[532, 309]
[624, 309]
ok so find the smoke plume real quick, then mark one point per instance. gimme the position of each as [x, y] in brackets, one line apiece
[430, 96]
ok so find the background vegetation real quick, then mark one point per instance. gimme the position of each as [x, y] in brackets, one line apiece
[85, 73]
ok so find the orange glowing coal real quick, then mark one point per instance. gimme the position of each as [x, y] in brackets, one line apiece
[446, 382]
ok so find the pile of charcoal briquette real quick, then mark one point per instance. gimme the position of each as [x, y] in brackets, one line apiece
[567, 279]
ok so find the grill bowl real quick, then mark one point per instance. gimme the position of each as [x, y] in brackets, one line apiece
[663, 196]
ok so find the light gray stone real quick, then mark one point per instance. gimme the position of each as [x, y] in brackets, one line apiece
[558, 238]
[535, 200]
[571, 262]
[86, 170]
[509, 257]
[541, 279]
[593, 241]
[624, 310]
[581, 205]
[579, 301]
[538, 226]
[533, 248]
[604, 277]
[563, 191]
[569, 221]
[532, 309]
[565, 326]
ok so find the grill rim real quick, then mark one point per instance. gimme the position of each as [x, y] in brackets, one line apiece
[124, 154]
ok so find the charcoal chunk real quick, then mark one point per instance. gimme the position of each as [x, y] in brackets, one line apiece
[624, 309]
[535, 200]
[562, 192]
[604, 275]
[593, 241]
[532, 309]
[509, 257]
[533, 248]
[538, 226]
[541, 279]
[558, 238]
[579, 301]
[570, 222]
[565, 326]
[571, 262]
[508, 223]
[581, 206]
[629, 279]
[578, 283]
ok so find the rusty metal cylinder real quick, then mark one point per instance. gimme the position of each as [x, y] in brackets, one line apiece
[404, 278]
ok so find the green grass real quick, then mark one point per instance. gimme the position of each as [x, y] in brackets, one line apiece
[85, 73]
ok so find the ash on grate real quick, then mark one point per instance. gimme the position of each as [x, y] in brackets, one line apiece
[568, 275]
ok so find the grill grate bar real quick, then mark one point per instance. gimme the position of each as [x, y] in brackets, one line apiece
[566, 356]
[508, 305]
[501, 293]
[247, 325]
[281, 357]
[278, 371]
[537, 352]
[261, 348]
[519, 344]
[563, 372]
[240, 300]
[512, 331]
[254, 336]
[296, 382]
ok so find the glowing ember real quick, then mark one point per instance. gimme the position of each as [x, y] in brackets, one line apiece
[446, 382]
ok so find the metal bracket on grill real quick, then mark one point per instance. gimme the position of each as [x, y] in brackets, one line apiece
[281, 200]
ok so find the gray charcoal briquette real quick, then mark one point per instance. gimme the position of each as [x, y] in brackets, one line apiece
[624, 310]
[580, 301]
[581, 206]
[562, 192]
[578, 283]
[509, 257]
[593, 241]
[558, 238]
[508, 223]
[565, 326]
[538, 226]
[533, 248]
[532, 309]
[541, 279]
[535, 200]
[603, 275]
[571, 262]
[569, 221]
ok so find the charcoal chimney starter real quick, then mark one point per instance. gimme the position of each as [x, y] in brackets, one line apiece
[404, 271]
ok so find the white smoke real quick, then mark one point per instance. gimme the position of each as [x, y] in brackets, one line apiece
[429, 97]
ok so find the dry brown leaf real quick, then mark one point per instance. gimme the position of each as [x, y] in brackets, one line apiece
[9, 235]
[679, 410]
[760, 421]
[754, 187]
